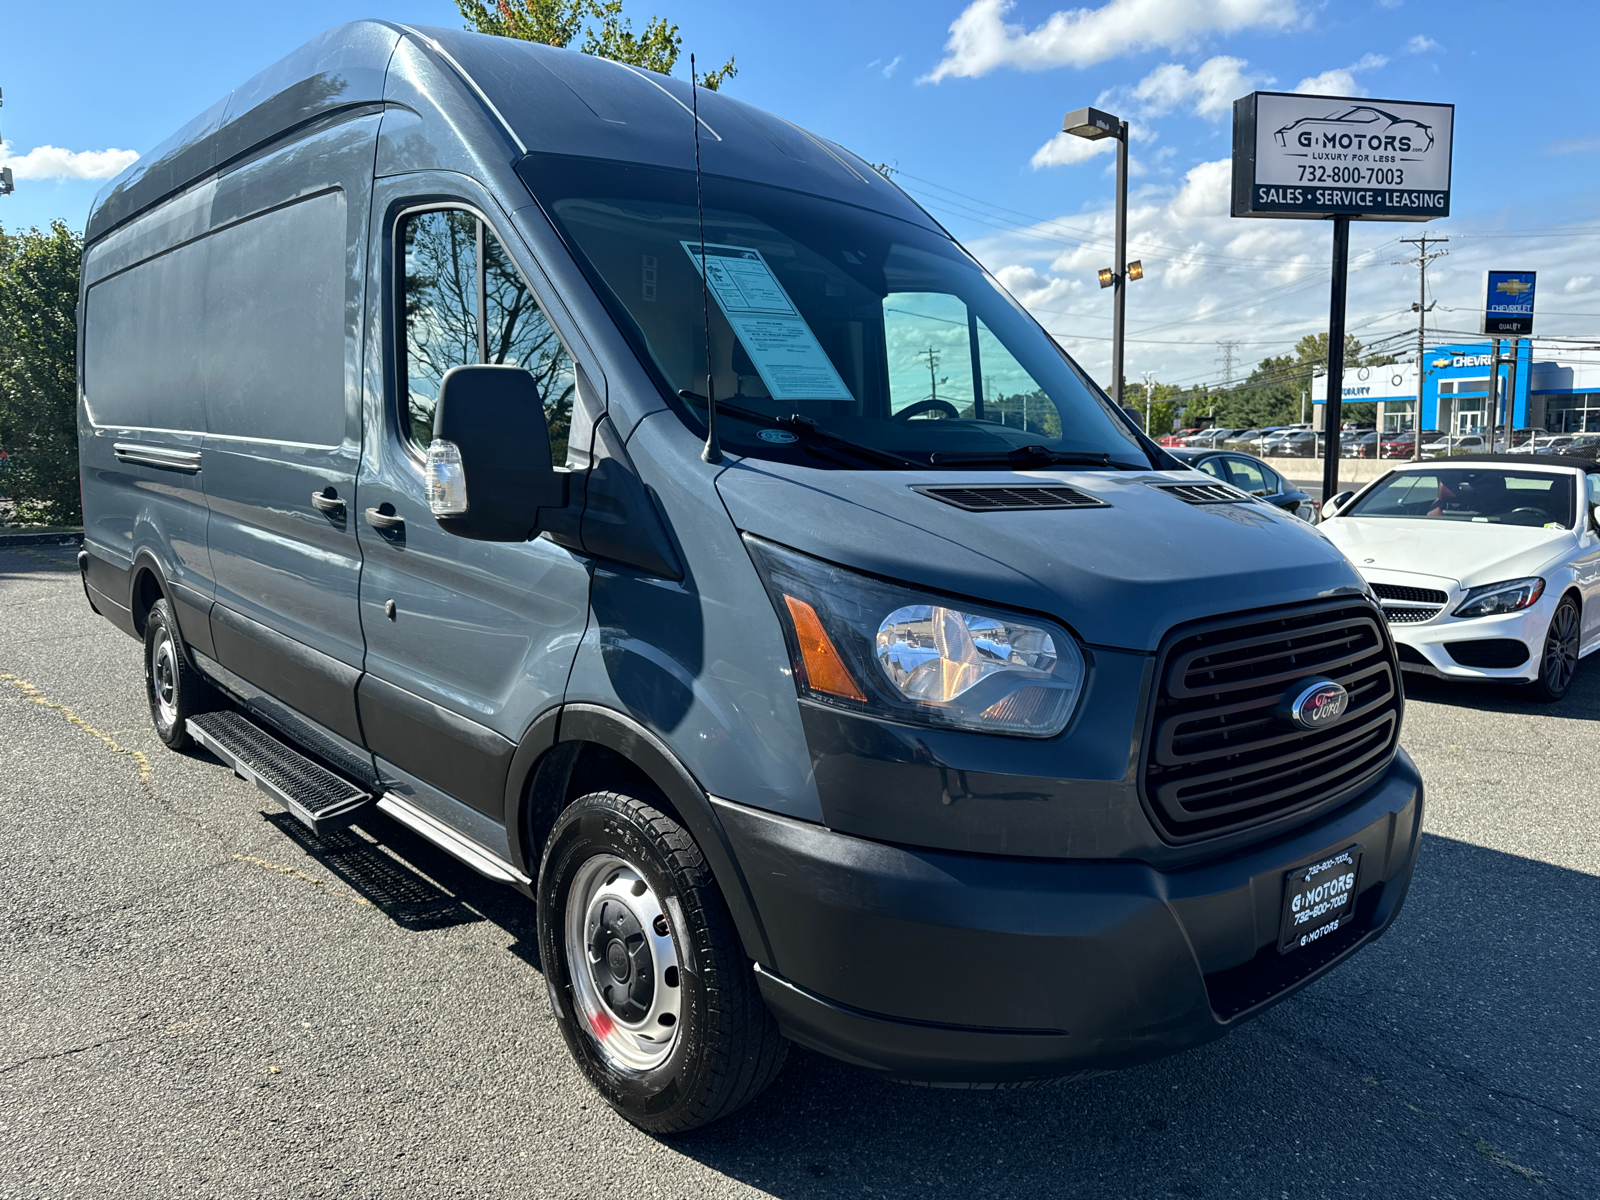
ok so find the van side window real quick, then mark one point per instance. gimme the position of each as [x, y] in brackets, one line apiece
[465, 302]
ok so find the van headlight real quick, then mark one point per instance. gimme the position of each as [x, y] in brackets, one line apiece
[872, 646]
[1509, 595]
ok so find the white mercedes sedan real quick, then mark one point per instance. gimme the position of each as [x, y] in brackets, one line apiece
[1487, 567]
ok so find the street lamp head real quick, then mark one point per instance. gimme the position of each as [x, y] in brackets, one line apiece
[1135, 270]
[1091, 123]
[1107, 277]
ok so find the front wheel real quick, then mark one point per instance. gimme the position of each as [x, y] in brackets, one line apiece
[1559, 661]
[175, 690]
[656, 1000]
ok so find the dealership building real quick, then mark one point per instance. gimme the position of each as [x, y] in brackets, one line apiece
[1552, 394]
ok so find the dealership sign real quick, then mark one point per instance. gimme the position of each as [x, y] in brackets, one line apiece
[1508, 302]
[1323, 156]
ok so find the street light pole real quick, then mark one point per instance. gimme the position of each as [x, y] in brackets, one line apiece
[1119, 298]
[1093, 124]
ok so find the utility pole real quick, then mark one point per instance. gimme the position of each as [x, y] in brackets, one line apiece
[1148, 376]
[932, 356]
[1422, 260]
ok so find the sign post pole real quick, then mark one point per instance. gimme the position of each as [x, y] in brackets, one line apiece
[1332, 417]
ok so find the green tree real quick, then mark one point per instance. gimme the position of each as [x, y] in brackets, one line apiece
[607, 32]
[39, 372]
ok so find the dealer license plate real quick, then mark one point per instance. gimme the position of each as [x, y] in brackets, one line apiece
[1319, 898]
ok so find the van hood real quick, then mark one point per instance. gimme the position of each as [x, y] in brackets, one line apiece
[1119, 576]
[1467, 552]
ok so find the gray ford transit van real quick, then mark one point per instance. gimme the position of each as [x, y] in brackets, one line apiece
[933, 718]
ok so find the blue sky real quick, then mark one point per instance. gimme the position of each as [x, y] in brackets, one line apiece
[964, 99]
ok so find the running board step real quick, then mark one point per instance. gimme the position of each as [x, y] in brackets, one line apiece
[312, 794]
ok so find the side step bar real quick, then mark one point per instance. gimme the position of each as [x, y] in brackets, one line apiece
[311, 793]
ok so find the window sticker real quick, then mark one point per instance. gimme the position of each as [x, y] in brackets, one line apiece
[791, 361]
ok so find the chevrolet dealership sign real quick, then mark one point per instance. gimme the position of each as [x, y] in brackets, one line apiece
[1323, 156]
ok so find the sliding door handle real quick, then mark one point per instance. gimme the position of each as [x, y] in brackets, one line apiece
[385, 520]
[327, 501]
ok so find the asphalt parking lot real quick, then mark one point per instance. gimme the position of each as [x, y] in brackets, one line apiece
[201, 1000]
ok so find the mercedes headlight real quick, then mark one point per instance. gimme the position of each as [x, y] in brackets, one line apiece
[1507, 596]
[876, 647]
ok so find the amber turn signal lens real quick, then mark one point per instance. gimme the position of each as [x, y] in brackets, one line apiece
[825, 670]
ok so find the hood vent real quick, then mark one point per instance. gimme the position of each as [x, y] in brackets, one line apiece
[1203, 493]
[1012, 499]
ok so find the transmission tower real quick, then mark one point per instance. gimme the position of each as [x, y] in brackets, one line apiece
[1226, 359]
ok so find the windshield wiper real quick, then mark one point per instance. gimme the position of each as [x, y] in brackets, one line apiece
[813, 432]
[1029, 456]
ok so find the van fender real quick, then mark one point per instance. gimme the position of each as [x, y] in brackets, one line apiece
[542, 767]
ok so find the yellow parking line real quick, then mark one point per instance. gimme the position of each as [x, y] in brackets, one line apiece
[301, 876]
[43, 701]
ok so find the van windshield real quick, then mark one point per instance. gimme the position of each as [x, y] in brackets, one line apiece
[840, 337]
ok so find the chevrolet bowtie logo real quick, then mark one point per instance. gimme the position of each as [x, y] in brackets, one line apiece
[1441, 362]
[1513, 287]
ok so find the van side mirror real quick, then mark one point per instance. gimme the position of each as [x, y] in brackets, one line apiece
[489, 470]
[1330, 508]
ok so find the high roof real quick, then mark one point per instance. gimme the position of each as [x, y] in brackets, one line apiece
[538, 98]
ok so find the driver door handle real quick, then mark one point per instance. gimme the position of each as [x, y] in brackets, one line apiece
[384, 519]
[327, 501]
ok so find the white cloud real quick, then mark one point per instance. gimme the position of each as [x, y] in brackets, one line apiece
[1341, 81]
[1421, 44]
[1578, 284]
[1066, 149]
[1211, 88]
[890, 69]
[981, 40]
[1578, 145]
[52, 162]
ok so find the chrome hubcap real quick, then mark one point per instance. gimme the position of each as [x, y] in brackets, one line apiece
[623, 962]
[164, 679]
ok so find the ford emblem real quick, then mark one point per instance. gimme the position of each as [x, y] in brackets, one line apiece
[1314, 703]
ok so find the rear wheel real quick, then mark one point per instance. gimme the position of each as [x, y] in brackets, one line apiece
[175, 691]
[656, 1000]
[1559, 662]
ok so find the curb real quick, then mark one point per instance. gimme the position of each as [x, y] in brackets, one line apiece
[40, 539]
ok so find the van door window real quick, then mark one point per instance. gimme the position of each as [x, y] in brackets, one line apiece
[465, 302]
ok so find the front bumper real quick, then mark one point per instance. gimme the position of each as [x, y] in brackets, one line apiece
[972, 969]
[1431, 641]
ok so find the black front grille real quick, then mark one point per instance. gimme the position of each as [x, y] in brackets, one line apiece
[1010, 499]
[1388, 591]
[1219, 759]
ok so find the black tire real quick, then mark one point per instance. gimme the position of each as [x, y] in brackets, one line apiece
[1559, 660]
[175, 690]
[725, 1048]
